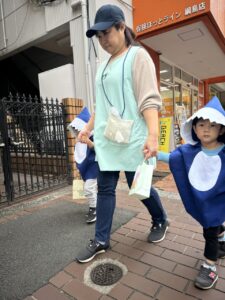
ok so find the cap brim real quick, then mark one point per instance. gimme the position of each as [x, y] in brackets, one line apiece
[98, 27]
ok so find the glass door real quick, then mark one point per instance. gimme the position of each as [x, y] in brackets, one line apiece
[166, 92]
[187, 100]
[194, 101]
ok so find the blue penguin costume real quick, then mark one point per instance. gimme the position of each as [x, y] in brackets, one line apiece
[200, 178]
[84, 156]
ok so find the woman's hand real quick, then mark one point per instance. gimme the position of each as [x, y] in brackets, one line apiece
[151, 146]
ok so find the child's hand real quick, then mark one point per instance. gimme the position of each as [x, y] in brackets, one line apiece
[83, 134]
[84, 139]
[87, 141]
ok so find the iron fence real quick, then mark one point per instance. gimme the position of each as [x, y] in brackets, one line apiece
[33, 146]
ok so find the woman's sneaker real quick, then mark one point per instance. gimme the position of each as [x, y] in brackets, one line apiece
[91, 216]
[206, 278]
[92, 249]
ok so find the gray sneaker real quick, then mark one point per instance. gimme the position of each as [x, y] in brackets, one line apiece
[158, 232]
[91, 216]
[92, 249]
[206, 278]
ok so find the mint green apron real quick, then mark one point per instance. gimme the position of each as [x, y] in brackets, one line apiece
[112, 156]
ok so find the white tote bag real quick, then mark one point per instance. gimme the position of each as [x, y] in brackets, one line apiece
[142, 181]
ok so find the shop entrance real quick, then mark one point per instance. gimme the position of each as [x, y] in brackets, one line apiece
[177, 88]
[177, 95]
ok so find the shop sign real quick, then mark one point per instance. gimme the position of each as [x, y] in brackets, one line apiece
[166, 136]
[188, 11]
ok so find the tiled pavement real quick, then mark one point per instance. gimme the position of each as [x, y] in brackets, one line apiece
[160, 271]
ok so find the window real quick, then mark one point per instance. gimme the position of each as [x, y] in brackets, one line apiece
[187, 78]
[166, 72]
[178, 88]
[177, 72]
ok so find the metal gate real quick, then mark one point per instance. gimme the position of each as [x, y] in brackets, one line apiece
[33, 146]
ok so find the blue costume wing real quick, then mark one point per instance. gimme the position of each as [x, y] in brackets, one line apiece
[88, 168]
[200, 180]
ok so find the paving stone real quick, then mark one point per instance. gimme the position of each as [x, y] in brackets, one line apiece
[168, 279]
[49, 292]
[121, 292]
[141, 284]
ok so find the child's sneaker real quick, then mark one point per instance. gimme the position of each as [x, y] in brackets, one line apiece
[158, 232]
[91, 216]
[206, 278]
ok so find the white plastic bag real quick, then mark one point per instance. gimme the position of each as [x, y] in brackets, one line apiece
[142, 181]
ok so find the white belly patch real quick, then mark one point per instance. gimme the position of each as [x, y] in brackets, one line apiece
[204, 171]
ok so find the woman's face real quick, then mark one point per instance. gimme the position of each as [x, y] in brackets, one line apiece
[112, 40]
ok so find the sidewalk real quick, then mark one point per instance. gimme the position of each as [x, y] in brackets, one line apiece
[160, 271]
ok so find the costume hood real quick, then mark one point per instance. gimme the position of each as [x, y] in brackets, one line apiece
[213, 111]
[81, 120]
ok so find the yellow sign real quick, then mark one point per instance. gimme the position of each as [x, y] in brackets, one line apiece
[166, 138]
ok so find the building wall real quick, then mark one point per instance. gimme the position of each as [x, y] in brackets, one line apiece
[217, 7]
[27, 25]
[23, 23]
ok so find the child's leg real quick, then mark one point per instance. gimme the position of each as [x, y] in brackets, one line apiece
[211, 243]
[221, 239]
[90, 191]
[208, 276]
[221, 235]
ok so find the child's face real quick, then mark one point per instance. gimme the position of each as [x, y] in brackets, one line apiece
[208, 132]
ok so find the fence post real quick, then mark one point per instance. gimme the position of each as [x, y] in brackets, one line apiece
[72, 108]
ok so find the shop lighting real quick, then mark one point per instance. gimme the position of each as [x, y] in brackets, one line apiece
[163, 88]
[163, 71]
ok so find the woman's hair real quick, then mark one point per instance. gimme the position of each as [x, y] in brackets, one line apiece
[129, 34]
[221, 138]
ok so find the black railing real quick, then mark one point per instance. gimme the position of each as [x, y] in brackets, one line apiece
[34, 146]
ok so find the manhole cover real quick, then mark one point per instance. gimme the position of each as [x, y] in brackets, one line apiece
[106, 274]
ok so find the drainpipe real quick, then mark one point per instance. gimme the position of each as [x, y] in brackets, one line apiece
[90, 93]
[3, 25]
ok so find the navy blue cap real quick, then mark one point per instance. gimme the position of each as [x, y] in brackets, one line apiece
[106, 17]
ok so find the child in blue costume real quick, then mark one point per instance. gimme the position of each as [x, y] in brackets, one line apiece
[84, 156]
[198, 168]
